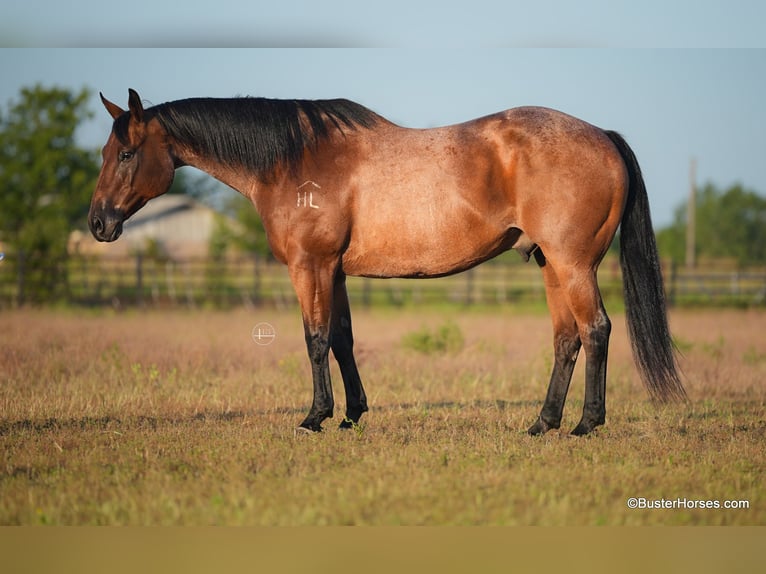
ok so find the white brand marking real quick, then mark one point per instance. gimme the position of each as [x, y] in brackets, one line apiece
[306, 196]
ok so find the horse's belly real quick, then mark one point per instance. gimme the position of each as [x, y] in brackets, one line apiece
[435, 210]
[403, 252]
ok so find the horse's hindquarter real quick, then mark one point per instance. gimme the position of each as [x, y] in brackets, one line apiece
[570, 185]
[428, 202]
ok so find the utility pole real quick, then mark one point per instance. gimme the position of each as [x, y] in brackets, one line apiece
[691, 217]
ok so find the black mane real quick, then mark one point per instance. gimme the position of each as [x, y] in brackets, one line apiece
[255, 133]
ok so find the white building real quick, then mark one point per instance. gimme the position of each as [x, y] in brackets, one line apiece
[176, 225]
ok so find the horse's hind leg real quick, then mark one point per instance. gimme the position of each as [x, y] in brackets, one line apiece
[566, 344]
[594, 328]
[342, 342]
[595, 335]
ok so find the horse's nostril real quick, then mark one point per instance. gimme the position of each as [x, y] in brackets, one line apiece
[96, 225]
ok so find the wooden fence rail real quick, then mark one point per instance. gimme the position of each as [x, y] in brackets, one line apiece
[144, 282]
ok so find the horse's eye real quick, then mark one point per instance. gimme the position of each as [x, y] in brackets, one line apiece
[126, 154]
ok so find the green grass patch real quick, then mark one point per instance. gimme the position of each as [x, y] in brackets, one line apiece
[447, 338]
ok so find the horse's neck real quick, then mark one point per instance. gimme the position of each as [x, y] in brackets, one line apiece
[237, 178]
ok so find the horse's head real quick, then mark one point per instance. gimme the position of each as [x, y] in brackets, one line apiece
[137, 166]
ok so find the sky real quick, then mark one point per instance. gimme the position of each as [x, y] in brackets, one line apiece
[389, 23]
[672, 104]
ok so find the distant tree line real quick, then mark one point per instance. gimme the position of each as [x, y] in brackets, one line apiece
[730, 224]
[46, 181]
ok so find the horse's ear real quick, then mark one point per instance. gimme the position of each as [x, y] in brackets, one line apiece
[135, 106]
[114, 110]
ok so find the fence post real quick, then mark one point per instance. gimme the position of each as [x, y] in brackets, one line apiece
[256, 280]
[188, 285]
[366, 292]
[140, 279]
[20, 279]
[85, 296]
[469, 286]
[671, 289]
[170, 281]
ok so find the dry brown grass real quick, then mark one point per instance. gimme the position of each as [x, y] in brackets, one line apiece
[180, 418]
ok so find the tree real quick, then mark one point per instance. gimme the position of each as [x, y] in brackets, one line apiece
[730, 225]
[45, 185]
[248, 234]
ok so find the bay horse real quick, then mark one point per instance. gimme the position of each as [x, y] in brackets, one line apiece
[343, 191]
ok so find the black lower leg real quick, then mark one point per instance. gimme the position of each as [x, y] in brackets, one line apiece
[566, 351]
[318, 345]
[594, 410]
[356, 400]
[343, 349]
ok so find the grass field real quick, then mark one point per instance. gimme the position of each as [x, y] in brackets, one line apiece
[180, 418]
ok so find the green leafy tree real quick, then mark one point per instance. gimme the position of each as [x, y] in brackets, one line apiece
[186, 183]
[247, 234]
[46, 182]
[730, 225]
[240, 227]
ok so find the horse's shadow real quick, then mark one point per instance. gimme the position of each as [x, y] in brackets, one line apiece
[147, 422]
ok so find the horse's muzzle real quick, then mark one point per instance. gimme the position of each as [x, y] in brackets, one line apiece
[106, 225]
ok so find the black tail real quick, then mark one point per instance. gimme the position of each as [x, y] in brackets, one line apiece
[645, 311]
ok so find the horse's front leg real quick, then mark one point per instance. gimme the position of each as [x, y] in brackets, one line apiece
[317, 342]
[342, 344]
[313, 282]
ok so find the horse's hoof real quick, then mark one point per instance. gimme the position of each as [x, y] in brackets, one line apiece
[584, 428]
[304, 431]
[347, 423]
[540, 427]
[580, 430]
